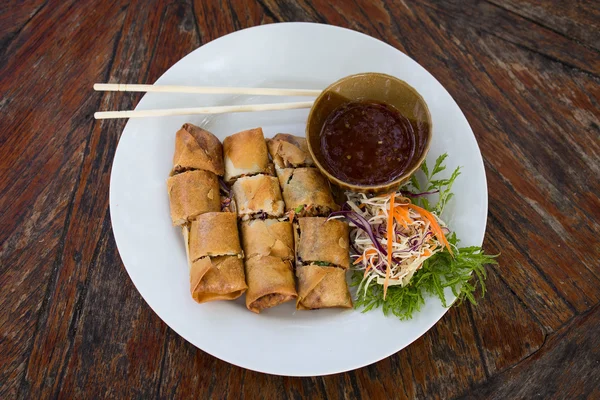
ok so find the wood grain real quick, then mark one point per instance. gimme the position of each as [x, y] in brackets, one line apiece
[579, 20]
[14, 16]
[525, 73]
[567, 366]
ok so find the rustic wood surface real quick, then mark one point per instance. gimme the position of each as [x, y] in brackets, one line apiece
[526, 74]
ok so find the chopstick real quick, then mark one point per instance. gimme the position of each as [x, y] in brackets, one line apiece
[125, 87]
[201, 110]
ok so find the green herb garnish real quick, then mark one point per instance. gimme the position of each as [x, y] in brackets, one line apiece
[440, 271]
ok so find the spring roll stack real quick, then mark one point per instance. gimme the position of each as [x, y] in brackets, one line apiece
[211, 236]
[267, 236]
[322, 246]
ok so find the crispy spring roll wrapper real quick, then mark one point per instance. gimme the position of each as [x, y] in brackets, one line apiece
[322, 287]
[269, 237]
[245, 153]
[323, 241]
[256, 195]
[214, 234]
[289, 151]
[270, 282]
[196, 148]
[307, 188]
[192, 193]
[218, 278]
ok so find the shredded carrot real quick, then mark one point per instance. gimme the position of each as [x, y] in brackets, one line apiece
[426, 253]
[401, 215]
[368, 253]
[435, 227]
[400, 220]
[371, 265]
[390, 244]
[402, 210]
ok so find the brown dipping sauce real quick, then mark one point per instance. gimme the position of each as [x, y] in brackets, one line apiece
[367, 143]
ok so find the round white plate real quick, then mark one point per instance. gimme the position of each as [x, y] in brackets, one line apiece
[281, 340]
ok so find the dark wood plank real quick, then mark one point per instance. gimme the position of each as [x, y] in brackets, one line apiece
[80, 359]
[520, 31]
[116, 334]
[42, 153]
[14, 16]
[539, 296]
[35, 243]
[579, 20]
[507, 332]
[54, 343]
[566, 367]
[238, 14]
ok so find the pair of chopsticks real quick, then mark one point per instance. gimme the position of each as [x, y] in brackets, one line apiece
[118, 87]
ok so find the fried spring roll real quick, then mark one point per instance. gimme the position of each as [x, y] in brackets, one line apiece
[246, 154]
[322, 287]
[214, 234]
[306, 191]
[270, 282]
[218, 278]
[270, 237]
[257, 195]
[192, 193]
[321, 241]
[289, 151]
[196, 148]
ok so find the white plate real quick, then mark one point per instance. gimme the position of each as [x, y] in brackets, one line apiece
[280, 340]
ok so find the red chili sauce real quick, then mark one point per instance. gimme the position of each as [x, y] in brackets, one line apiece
[367, 143]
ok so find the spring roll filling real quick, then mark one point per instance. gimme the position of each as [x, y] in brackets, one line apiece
[270, 282]
[306, 190]
[330, 251]
[258, 197]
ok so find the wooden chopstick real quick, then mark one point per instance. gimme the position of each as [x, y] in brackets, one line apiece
[201, 110]
[125, 87]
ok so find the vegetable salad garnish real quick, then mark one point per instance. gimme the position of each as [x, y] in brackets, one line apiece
[402, 249]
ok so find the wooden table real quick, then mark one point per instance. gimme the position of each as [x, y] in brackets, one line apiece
[526, 74]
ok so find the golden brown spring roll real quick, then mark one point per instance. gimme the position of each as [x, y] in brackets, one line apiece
[258, 194]
[218, 278]
[289, 151]
[214, 234]
[322, 241]
[306, 191]
[245, 153]
[270, 237]
[322, 287]
[196, 148]
[270, 282]
[192, 193]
